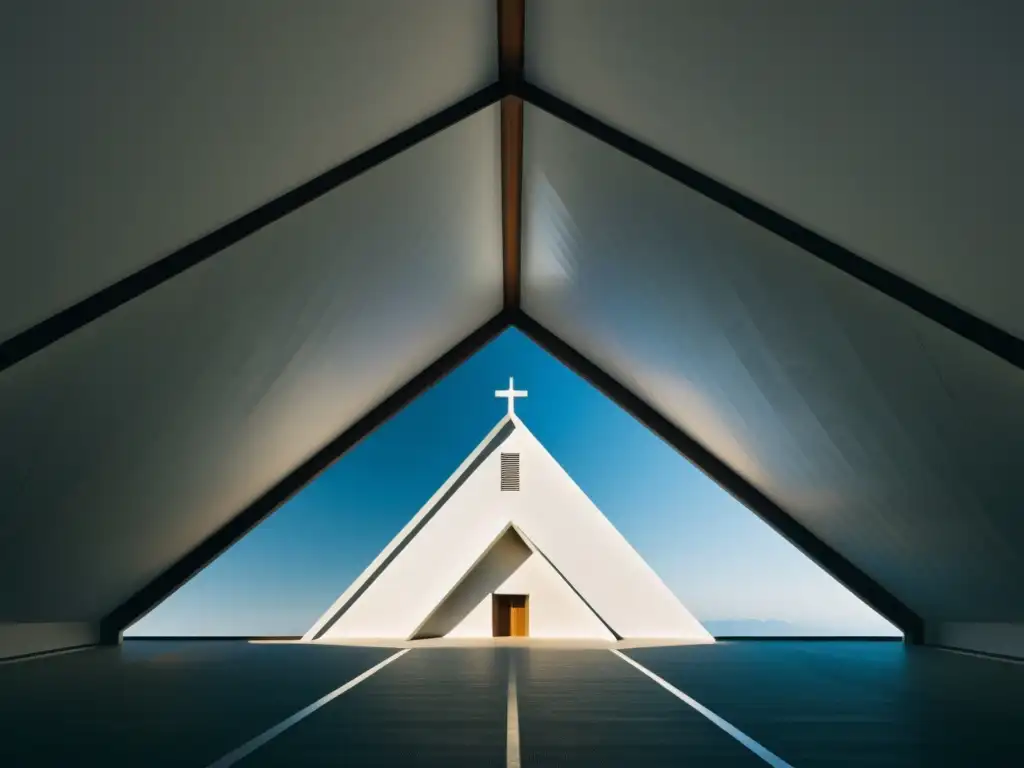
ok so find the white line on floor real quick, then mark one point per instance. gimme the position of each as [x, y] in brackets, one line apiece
[512, 740]
[253, 744]
[975, 654]
[47, 654]
[769, 757]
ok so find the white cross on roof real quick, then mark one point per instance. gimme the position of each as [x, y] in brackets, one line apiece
[510, 394]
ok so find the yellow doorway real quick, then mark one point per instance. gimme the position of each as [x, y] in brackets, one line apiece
[511, 615]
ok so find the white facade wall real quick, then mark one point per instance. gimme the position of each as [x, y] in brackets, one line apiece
[564, 524]
[416, 582]
[554, 514]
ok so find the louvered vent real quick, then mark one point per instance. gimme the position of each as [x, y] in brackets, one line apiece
[510, 471]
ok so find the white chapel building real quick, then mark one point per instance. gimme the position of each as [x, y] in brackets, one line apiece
[508, 546]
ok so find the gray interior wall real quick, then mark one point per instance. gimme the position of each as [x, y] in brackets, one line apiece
[130, 441]
[894, 441]
[20, 639]
[133, 128]
[1004, 639]
[890, 126]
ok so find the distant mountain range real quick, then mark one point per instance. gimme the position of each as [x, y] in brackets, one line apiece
[773, 628]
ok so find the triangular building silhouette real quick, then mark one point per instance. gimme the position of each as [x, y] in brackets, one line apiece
[509, 545]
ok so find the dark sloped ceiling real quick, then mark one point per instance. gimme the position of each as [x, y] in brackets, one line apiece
[131, 440]
[893, 440]
[142, 432]
[142, 126]
[889, 126]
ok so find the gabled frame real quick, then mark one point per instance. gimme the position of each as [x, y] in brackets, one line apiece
[512, 91]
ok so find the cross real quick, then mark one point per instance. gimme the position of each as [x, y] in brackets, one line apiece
[510, 394]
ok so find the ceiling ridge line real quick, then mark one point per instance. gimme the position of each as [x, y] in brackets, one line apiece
[511, 62]
[42, 334]
[965, 324]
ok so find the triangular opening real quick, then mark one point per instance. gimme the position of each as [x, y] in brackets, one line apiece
[734, 573]
[469, 601]
[512, 568]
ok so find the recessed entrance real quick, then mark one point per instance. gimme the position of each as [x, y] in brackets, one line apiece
[511, 615]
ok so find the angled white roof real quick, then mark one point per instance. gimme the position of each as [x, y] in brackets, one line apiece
[390, 552]
[461, 524]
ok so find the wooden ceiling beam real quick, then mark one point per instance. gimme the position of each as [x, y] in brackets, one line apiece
[511, 37]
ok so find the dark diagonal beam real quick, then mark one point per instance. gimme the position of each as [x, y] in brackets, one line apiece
[959, 321]
[143, 601]
[511, 35]
[842, 569]
[54, 328]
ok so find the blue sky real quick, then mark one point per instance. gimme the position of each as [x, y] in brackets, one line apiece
[728, 567]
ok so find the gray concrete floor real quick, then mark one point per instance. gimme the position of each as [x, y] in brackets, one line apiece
[589, 708]
[160, 703]
[835, 704]
[188, 703]
[437, 707]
